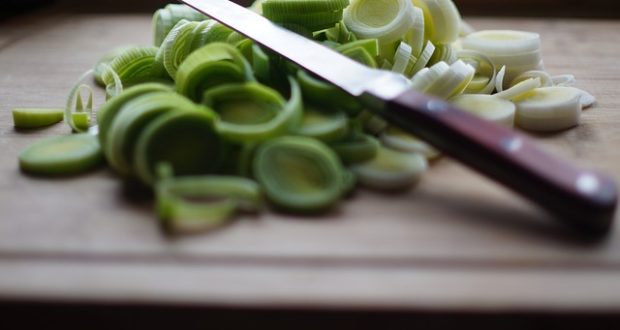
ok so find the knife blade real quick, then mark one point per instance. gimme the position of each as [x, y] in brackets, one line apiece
[585, 199]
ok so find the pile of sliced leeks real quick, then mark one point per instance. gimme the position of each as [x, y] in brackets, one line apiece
[216, 125]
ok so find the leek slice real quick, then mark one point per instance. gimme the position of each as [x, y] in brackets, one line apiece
[486, 72]
[166, 18]
[283, 7]
[299, 174]
[391, 170]
[36, 117]
[328, 96]
[192, 204]
[134, 65]
[488, 107]
[357, 149]
[415, 36]
[397, 139]
[520, 89]
[110, 109]
[327, 126]
[549, 109]
[386, 21]
[254, 112]
[402, 58]
[105, 61]
[442, 20]
[212, 65]
[424, 58]
[186, 140]
[453, 81]
[131, 120]
[62, 155]
[545, 79]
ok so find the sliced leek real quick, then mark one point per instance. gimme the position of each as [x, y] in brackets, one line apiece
[36, 117]
[386, 21]
[327, 126]
[62, 155]
[186, 140]
[299, 174]
[549, 109]
[356, 149]
[442, 20]
[212, 65]
[391, 170]
[133, 117]
[166, 18]
[253, 112]
[399, 140]
[192, 204]
[491, 108]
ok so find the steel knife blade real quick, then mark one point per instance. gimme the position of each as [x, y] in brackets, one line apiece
[585, 199]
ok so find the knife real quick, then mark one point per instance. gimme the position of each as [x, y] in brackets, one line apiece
[584, 199]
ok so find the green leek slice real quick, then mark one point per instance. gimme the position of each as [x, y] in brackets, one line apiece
[166, 18]
[184, 139]
[356, 149]
[299, 174]
[134, 65]
[36, 117]
[131, 120]
[391, 170]
[62, 155]
[199, 203]
[397, 139]
[254, 112]
[284, 7]
[212, 65]
[110, 109]
[326, 126]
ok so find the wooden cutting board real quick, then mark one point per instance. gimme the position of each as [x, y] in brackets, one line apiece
[456, 242]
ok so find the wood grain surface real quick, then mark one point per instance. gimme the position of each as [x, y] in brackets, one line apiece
[455, 242]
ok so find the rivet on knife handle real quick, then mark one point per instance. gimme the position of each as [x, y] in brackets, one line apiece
[582, 198]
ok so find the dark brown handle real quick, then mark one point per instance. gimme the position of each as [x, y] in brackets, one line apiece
[582, 198]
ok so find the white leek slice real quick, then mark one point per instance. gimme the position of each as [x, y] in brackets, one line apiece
[442, 20]
[424, 58]
[499, 80]
[402, 57]
[502, 42]
[545, 79]
[563, 80]
[387, 21]
[587, 100]
[484, 80]
[391, 170]
[522, 88]
[465, 29]
[453, 81]
[397, 139]
[415, 37]
[426, 77]
[549, 109]
[487, 107]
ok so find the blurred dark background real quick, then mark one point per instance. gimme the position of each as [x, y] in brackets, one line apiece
[537, 8]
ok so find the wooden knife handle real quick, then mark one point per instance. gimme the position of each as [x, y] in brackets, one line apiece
[581, 198]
